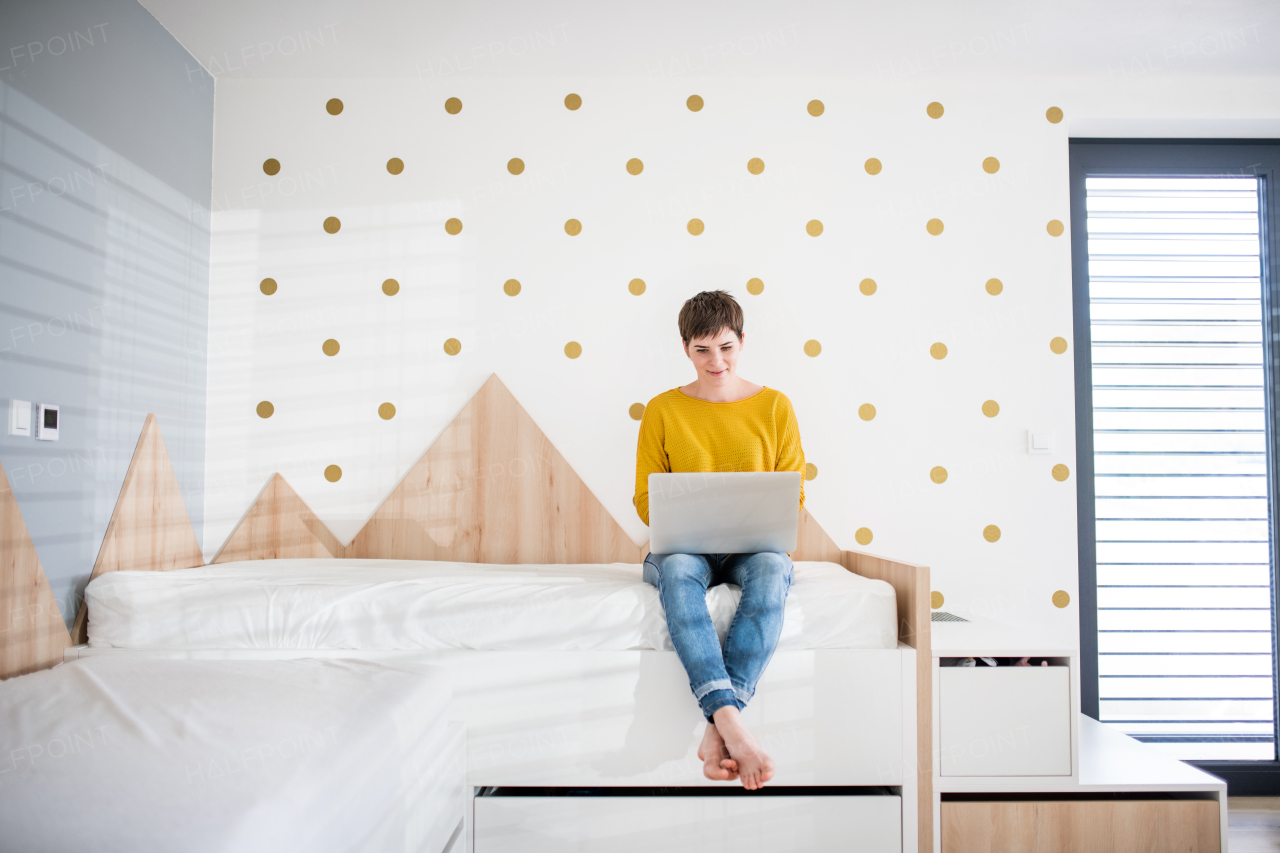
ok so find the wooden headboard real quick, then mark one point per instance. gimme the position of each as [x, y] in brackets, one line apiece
[493, 489]
[32, 633]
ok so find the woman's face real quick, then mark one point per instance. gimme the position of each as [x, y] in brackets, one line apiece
[715, 357]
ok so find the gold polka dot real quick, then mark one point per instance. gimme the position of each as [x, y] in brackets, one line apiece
[934, 110]
[994, 286]
[695, 227]
[862, 536]
[636, 411]
[453, 106]
[1055, 228]
[1058, 345]
[816, 108]
[511, 287]
[515, 165]
[810, 471]
[453, 226]
[572, 101]
[872, 166]
[271, 167]
[694, 103]
[636, 286]
[391, 287]
[936, 600]
[332, 224]
[386, 411]
[330, 347]
[333, 107]
[573, 349]
[866, 411]
[635, 166]
[991, 533]
[1060, 472]
[333, 473]
[453, 346]
[814, 228]
[938, 350]
[991, 408]
[934, 227]
[812, 348]
[867, 286]
[267, 286]
[755, 165]
[1061, 598]
[265, 409]
[1053, 114]
[755, 287]
[395, 165]
[991, 165]
[938, 474]
[573, 227]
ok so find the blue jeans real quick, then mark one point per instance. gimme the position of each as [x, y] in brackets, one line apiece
[729, 678]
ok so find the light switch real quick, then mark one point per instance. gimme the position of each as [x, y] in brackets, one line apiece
[20, 417]
[1039, 442]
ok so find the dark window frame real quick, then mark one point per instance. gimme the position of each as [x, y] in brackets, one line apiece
[1152, 157]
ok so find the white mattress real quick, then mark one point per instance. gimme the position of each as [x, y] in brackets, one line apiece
[410, 604]
[137, 755]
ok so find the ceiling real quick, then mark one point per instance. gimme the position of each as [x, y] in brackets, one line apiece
[980, 39]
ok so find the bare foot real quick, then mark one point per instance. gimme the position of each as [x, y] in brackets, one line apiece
[716, 763]
[754, 767]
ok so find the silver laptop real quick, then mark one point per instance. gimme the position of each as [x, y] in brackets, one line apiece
[731, 513]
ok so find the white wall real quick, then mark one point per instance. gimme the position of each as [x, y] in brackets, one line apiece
[106, 149]
[875, 349]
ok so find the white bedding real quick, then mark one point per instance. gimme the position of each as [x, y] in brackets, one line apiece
[137, 755]
[410, 604]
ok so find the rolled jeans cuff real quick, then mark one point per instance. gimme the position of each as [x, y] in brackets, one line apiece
[717, 699]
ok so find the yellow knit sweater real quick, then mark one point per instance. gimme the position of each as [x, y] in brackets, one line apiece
[681, 434]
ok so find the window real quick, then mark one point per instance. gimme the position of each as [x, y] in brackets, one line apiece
[1176, 445]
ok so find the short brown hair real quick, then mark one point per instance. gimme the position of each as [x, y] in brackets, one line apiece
[709, 312]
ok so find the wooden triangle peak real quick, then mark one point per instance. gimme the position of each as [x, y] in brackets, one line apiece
[493, 489]
[150, 530]
[33, 634]
[279, 525]
[813, 543]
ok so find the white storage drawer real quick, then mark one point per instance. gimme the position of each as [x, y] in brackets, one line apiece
[1005, 721]
[731, 824]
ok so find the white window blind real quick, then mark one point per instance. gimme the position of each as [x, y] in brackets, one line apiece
[1184, 596]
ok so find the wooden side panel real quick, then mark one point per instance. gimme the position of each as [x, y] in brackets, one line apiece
[33, 634]
[149, 530]
[492, 489]
[279, 525]
[911, 584]
[1082, 826]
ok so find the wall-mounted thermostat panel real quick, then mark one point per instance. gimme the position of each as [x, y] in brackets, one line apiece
[47, 420]
[20, 417]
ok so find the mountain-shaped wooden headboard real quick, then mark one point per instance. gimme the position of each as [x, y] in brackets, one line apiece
[493, 489]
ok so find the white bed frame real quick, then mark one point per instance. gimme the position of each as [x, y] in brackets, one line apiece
[601, 719]
[493, 489]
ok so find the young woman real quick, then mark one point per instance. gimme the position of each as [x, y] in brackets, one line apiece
[720, 422]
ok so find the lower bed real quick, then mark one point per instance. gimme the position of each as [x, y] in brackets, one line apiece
[136, 754]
